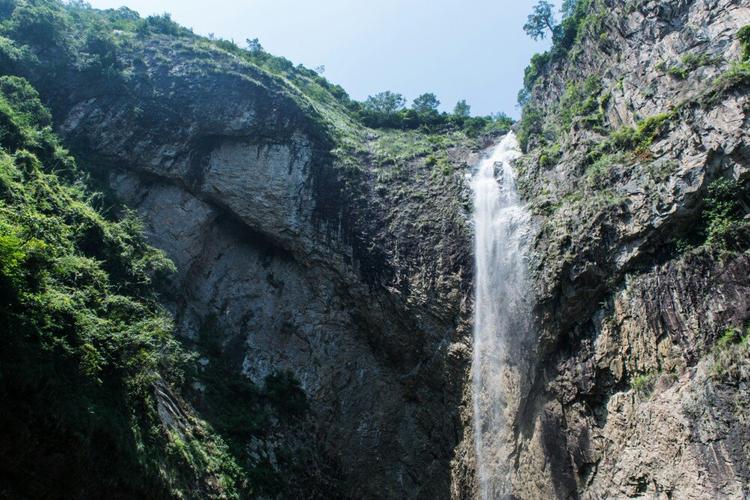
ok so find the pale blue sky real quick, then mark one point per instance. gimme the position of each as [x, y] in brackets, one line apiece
[458, 49]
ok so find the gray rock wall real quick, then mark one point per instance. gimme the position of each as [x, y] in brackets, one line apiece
[630, 393]
[287, 267]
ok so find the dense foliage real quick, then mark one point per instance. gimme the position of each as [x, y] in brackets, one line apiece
[411, 119]
[720, 226]
[84, 342]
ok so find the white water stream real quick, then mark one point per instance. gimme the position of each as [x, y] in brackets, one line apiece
[501, 315]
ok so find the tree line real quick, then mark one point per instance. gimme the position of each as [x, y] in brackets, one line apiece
[388, 110]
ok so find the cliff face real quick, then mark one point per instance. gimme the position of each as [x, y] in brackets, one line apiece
[345, 266]
[637, 168]
[235, 202]
[309, 246]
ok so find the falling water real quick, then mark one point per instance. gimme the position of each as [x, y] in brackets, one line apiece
[500, 315]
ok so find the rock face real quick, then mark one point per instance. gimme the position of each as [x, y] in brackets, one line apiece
[284, 266]
[629, 394]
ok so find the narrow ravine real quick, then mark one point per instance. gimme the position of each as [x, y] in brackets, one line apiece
[501, 315]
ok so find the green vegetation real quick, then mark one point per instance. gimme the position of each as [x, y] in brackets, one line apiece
[583, 104]
[550, 155]
[36, 34]
[426, 105]
[383, 110]
[385, 103]
[461, 109]
[540, 21]
[731, 354]
[729, 337]
[386, 110]
[87, 353]
[737, 75]
[582, 101]
[239, 410]
[597, 172]
[722, 217]
[531, 125]
[689, 63]
[578, 17]
[162, 25]
[99, 44]
[572, 118]
[85, 343]
[643, 384]
[743, 35]
[721, 226]
[638, 138]
[395, 149]
[531, 74]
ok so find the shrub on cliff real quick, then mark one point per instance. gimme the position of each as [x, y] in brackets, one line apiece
[37, 21]
[724, 226]
[576, 17]
[162, 24]
[744, 37]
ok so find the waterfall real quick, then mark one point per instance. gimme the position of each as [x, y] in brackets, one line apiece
[501, 311]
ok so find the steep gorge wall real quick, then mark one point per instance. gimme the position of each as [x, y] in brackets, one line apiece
[630, 392]
[360, 292]
[354, 272]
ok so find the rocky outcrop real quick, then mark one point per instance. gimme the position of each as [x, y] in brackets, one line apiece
[624, 398]
[290, 262]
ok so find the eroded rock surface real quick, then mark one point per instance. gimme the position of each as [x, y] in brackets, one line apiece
[625, 396]
[363, 298]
